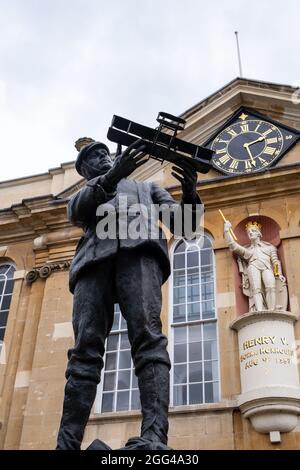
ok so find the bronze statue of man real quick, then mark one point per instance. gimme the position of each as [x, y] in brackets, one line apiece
[125, 271]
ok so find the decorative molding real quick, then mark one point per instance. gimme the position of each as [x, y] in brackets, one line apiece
[46, 271]
[71, 190]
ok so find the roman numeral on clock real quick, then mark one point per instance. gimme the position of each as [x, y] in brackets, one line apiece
[221, 150]
[244, 127]
[247, 165]
[264, 134]
[224, 159]
[232, 132]
[234, 164]
[274, 140]
[269, 150]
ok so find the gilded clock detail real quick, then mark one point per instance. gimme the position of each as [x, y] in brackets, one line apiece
[250, 143]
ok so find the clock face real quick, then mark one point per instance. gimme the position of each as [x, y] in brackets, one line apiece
[249, 144]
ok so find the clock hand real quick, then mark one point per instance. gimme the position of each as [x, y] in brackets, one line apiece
[246, 146]
[257, 140]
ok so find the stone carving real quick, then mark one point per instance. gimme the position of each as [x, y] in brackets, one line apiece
[262, 279]
[46, 270]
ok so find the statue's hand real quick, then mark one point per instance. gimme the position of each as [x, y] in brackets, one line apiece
[282, 278]
[227, 226]
[187, 176]
[127, 162]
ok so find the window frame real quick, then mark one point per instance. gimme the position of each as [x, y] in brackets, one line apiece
[5, 262]
[172, 325]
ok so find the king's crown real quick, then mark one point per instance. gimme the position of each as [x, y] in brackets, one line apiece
[253, 224]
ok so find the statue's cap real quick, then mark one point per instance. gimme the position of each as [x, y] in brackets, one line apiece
[85, 145]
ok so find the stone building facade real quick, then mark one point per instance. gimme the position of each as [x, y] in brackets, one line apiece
[37, 244]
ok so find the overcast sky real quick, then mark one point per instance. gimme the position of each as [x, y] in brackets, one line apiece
[66, 66]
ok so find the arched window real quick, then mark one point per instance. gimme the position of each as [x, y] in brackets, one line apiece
[118, 389]
[6, 287]
[195, 364]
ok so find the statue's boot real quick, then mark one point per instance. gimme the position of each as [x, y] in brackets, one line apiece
[79, 398]
[154, 387]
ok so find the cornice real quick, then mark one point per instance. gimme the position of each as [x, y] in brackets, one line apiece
[31, 218]
[226, 191]
[238, 84]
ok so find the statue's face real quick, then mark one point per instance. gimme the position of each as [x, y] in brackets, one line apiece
[100, 159]
[97, 163]
[253, 234]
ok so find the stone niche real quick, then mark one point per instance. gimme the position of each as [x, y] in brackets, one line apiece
[270, 392]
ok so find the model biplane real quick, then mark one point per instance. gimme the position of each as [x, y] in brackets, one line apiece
[161, 143]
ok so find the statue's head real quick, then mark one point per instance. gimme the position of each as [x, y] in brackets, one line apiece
[254, 230]
[93, 158]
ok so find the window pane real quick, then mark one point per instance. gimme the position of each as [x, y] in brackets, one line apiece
[207, 274]
[208, 310]
[124, 341]
[2, 331]
[196, 394]
[180, 374]
[10, 271]
[207, 291]
[180, 335]
[206, 257]
[9, 286]
[193, 311]
[180, 395]
[3, 318]
[192, 259]
[107, 402]
[208, 375]
[210, 350]
[211, 392]
[192, 276]
[135, 400]
[122, 401]
[124, 380]
[179, 313]
[125, 360]
[209, 331]
[195, 352]
[123, 323]
[180, 247]
[195, 333]
[109, 381]
[111, 361]
[180, 353]
[206, 243]
[1, 287]
[179, 295]
[134, 380]
[5, 302]
[4, 268]
[179, 261]
[116, 322]
[195, 372]
[179, 278]
[112, 343]
[193, 293]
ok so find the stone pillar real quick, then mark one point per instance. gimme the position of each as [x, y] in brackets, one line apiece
[270, 392]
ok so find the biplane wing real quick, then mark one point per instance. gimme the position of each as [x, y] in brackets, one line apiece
[160, 145]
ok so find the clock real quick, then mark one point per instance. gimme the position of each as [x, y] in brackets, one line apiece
[250, 142]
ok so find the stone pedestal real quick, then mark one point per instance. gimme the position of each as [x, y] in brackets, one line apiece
[270, 391]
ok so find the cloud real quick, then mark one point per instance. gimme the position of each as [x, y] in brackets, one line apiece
[68, 65]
